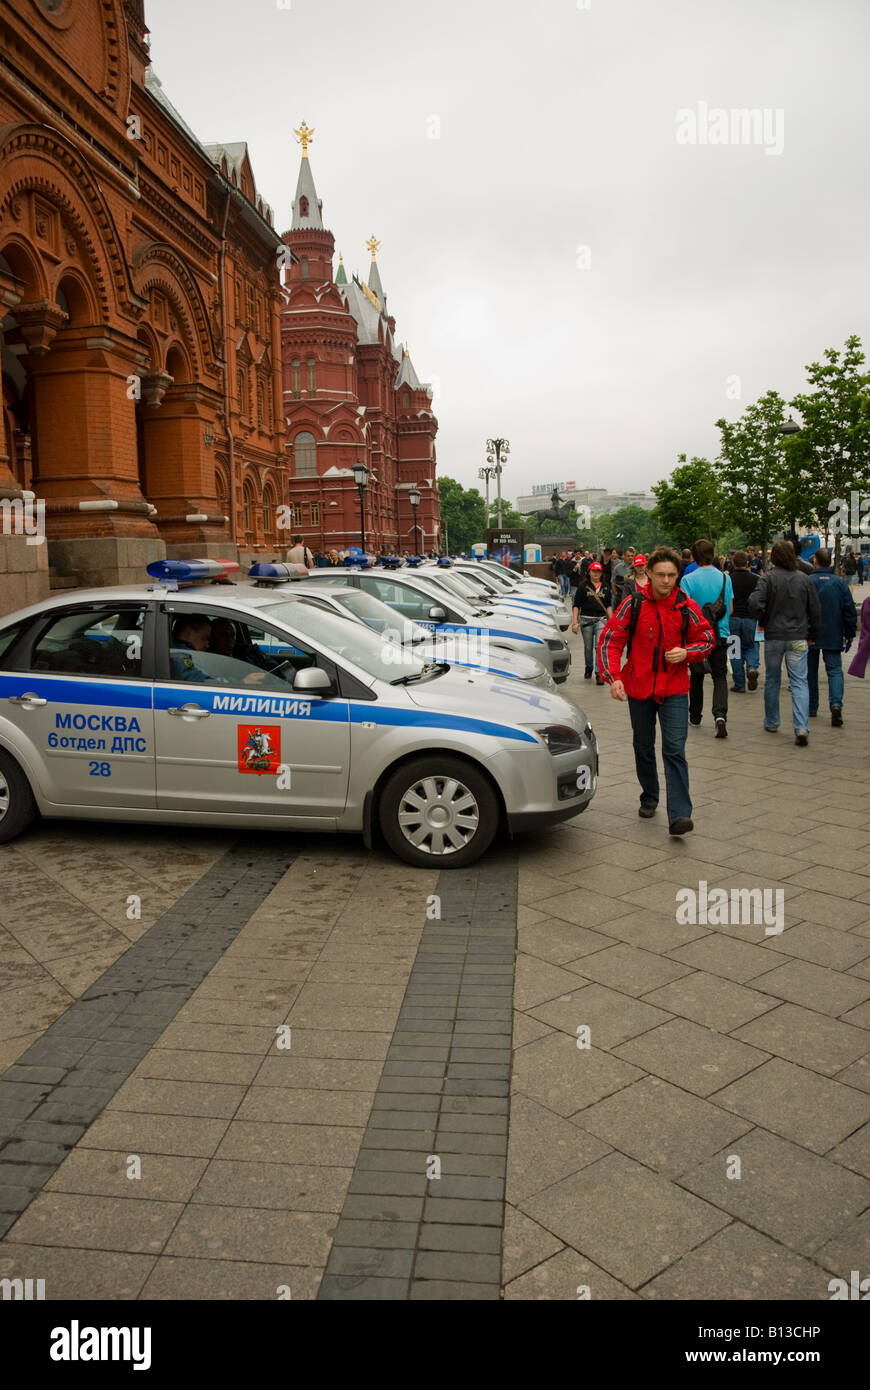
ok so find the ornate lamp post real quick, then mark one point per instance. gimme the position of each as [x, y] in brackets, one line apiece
[414, 499]
[496, 450]
[361, 478]
[484, 474]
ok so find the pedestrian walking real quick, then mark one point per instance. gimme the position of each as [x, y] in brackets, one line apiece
[787, 607]
[619, 572]
[756, 564]
[835, 635]
[593, 605]
[562, 569]
[850, 568]
[638, 578]
[713, 592]
[662, 632]
[299, 554]
[745, 660]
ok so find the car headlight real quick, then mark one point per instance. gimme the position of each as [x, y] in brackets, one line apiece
[555, 646]
[559, 738]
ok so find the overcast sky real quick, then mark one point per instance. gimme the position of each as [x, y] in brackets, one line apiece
[571, 275]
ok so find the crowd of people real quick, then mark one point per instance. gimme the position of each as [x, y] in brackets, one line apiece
[677, 618]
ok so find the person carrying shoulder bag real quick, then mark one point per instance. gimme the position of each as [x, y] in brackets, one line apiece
[593, 605]
[786, 606]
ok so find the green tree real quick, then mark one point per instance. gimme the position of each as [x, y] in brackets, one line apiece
[836, 431]
[689, 503]
[752, 469]
[463, 515]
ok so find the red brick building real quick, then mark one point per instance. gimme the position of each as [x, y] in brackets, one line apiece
[350, 395]
[141, 339]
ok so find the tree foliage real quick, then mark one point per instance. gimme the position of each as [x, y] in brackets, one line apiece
[689, 503]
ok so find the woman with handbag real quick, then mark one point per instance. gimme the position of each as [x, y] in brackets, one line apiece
[593, 605]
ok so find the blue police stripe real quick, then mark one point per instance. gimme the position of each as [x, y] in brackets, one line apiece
[482, 631]
[124, 695]
[98, 694]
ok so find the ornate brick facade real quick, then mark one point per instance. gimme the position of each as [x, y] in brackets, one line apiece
[142, 391]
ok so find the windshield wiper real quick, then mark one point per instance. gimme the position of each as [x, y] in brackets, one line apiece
[431, 668]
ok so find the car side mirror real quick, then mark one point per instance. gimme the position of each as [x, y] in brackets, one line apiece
[437, 615]
[313, 681]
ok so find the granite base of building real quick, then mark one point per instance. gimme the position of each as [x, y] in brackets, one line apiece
[24, 575]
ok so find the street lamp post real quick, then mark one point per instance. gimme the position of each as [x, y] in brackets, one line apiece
[496, 450]
[789, 427]
[485, 474]
[361, 478]
[414, 499]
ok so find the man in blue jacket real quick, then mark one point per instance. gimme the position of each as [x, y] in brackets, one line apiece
[835, 635]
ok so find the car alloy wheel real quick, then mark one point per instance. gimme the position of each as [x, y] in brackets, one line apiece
[439, 809]
[439, 815]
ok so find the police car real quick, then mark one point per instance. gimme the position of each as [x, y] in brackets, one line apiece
[513, 579]
[417, 596]
[426, 646]
[235, 706]
[486, 590]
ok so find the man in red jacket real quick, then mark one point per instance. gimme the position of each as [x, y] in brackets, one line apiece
[666, 631]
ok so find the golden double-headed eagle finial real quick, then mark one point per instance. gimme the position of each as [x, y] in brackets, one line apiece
[373, 246]
[304, 136]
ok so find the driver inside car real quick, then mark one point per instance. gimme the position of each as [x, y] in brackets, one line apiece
[192, 633]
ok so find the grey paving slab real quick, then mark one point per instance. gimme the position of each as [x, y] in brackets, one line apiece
[797, 1103]
[698, 1059]
[629, 1221]
[806, 1037]
[739, 1264]
[785, 1192]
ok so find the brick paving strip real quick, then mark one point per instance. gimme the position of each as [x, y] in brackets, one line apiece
[443, 1096]
[61, 1083]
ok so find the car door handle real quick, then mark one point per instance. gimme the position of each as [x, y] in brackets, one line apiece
[30, 700]
[191, 712]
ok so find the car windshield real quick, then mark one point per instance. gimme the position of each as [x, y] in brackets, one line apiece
[352, 641]
[380, 617]
[453, 585]
[501, 579]
[439, 592]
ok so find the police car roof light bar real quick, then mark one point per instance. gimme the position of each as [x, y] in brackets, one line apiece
[268, 574]
[193, 571]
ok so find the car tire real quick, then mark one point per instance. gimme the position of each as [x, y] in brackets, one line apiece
[17, 806]
[413, 805]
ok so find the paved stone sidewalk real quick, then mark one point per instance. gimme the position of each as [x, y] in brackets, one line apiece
[708, 1044]
[308, 1169]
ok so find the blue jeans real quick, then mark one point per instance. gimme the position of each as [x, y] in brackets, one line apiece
[673, 716]
[564, 584]
[836, 684]
[591, 629]
[744, 630]
[795, 654]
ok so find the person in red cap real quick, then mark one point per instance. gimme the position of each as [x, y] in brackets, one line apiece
[663, 631]
[593, 605]
[638, 580]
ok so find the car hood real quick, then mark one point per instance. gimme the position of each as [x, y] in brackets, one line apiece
[491, 699]
[496, 662]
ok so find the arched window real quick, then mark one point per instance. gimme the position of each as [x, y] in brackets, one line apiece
[270, 513]
[312, 377]
[296, 379]
[304, 268]
[220, 492]
[242, 390]
[261, 406]
[315, 513]
[406, 401]
[249, 494]
[306, 456]
[303, 206]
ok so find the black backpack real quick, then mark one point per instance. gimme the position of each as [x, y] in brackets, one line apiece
[715, 611]
[636, 602]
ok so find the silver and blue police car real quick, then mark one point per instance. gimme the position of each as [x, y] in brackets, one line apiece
[359, 606]
[415, 595]
[236, 706]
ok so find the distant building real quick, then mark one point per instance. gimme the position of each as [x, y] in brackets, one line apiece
[598, 499]
[350, 394]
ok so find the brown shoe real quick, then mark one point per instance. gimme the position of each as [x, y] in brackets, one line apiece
[752, 680]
